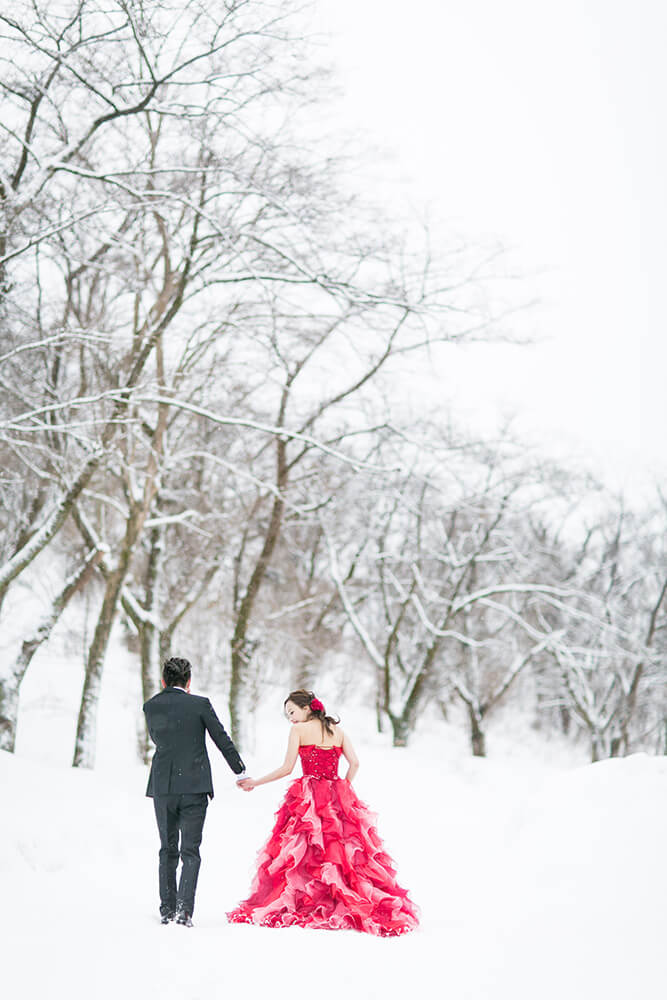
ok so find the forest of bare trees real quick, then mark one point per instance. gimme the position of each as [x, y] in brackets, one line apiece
[202, 336]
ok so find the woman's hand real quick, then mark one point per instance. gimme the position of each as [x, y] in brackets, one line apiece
[247, 784]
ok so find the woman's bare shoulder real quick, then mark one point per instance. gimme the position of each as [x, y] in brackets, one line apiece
[307, 730]
[338, 735]
[345, 739]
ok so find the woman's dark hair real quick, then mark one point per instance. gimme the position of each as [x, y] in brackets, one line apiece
[303, 698]
[176, 672]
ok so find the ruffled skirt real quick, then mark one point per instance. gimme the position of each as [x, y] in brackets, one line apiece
[324, 866]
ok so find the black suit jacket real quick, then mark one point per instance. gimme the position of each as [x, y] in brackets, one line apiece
[178, 723]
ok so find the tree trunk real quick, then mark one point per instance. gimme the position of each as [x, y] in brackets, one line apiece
[150, 680]
[86, 730]
[84, 746]
[477, 736]
[9, 707]
[242, 648]
[403, 725]
[150, 634]
[638, 673]
[401, 729]
[596, 754]
[302, 674]
[240, 707]
[565, 719]
[10, 686]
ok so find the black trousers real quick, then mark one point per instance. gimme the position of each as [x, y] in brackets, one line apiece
[180, 821]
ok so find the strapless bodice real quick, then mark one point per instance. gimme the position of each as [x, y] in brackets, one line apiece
[320, 762]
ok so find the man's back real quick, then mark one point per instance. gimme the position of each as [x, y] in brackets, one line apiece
[178, 723]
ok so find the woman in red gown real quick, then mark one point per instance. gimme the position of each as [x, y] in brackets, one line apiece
[324, 865]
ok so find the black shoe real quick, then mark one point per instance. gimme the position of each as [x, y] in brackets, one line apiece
[167, 918]
[184, 919]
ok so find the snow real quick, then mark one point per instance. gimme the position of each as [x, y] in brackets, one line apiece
[536, 875]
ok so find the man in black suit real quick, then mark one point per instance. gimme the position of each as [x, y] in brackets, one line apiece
[180, 782]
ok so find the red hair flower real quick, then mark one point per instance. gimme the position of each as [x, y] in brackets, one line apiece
[316, 705]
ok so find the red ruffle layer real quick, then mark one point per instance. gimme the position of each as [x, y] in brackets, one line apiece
[324, 866]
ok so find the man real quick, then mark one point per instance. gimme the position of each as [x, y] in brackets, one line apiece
[180, 782]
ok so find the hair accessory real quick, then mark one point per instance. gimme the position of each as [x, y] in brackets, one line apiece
[316, 705]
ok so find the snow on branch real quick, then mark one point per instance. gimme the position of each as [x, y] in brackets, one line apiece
[281, 432]
[77, 336]
[355, 621]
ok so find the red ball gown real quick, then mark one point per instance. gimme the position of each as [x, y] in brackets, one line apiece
[324, 865]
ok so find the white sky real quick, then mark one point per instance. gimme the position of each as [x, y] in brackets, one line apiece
[541, 125]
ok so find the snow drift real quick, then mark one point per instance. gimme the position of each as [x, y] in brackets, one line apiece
[532, 882]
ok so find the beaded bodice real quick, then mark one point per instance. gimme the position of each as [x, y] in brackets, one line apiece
[320, 762]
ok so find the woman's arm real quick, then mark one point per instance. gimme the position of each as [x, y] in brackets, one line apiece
[350, 757]
[286, 767]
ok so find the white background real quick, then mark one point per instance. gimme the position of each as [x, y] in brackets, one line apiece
[542, 126]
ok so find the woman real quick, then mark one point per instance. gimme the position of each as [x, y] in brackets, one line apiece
[324, 865]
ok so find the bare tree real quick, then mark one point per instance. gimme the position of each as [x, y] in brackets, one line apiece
[90, 94]
[451, 591]
[610, 660]
[184, 264]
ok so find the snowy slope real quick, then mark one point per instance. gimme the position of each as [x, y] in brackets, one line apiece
[537, 876]
[533, 881]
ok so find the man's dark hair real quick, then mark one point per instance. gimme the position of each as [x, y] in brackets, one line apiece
[176, 672]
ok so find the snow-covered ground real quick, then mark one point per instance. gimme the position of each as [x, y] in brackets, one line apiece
[537, 876]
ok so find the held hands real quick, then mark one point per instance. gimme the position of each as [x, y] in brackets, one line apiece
[247, 784]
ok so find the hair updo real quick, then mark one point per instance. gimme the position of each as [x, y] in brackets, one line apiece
[176, 672]
[303, 698]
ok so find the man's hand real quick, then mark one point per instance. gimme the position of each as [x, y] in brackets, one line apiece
[247, 784]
